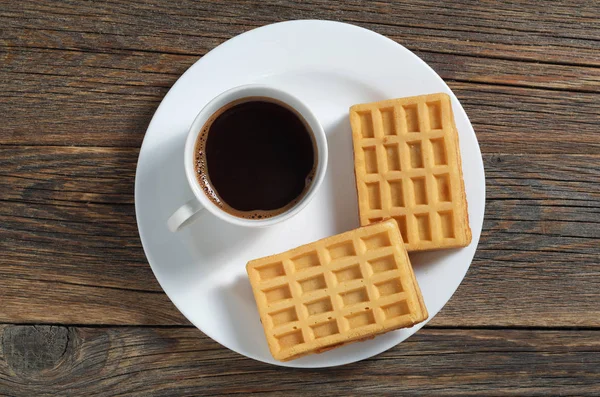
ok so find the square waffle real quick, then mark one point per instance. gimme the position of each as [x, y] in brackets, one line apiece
[408, 167]
[337, 290]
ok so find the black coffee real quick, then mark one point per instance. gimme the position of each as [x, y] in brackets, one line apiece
[255, 158]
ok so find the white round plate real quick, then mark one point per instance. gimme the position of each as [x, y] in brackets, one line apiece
[330, 66]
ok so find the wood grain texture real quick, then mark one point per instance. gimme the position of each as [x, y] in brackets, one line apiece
[102, 70]
[79, 82]
[180, 361]
[518, 30]
[506, 119]
[73, 208]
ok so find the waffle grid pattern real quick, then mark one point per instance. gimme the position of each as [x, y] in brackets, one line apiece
[408, 167]
[340, 289]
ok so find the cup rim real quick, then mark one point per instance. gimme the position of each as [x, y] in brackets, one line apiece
[240, 92]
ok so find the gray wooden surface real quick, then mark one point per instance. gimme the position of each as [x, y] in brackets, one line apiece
[81, 312]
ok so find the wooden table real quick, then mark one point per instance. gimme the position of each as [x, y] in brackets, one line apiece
[82, 313]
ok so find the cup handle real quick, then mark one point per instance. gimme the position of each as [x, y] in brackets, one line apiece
[185, 215]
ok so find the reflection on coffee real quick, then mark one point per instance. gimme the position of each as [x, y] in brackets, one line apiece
[255, 158]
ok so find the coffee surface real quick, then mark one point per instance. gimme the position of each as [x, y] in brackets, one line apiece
[255, 159]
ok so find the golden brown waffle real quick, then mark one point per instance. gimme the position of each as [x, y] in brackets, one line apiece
[408, 167]
[338, 290]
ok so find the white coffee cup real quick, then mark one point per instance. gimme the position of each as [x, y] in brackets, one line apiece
[191, 210]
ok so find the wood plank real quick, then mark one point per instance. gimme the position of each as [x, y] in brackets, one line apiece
[548, 32]
[27, 300]
[518, 121]
[541, 235]
[97, 80]
[77, 174]
[62, 175]
[44, 360]
[152, 72]
[541, 228]
[476, 69]
[506, 119]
